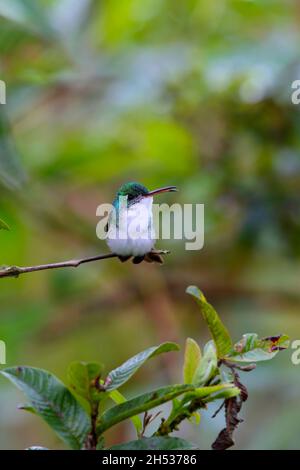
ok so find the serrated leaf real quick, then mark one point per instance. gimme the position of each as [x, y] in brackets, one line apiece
[120, 375]
[156, 443]
[118, 398]
[208, 366]
[51, 400]
[192, 357]
[139, 405]
[252, 349]
[218, 331]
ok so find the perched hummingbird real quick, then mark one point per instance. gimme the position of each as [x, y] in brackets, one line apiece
[133, 207]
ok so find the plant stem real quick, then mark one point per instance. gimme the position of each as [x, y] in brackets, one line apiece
[91, 442]
[170, 425]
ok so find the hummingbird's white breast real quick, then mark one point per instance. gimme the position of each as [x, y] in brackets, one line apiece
[131, 230]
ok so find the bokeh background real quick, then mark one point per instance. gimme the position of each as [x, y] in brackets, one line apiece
[194, 93]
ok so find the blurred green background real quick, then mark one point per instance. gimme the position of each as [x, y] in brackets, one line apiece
[194, 93]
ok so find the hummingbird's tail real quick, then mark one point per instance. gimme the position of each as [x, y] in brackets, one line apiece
[152, 257]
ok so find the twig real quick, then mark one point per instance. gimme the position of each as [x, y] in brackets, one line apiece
[16, 271]
[148, 418]
[218, 410]
[169, 425]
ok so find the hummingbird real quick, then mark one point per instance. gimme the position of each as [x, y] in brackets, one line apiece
[132, 206]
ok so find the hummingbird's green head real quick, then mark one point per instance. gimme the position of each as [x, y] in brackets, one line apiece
[132, 190]
[136, 191]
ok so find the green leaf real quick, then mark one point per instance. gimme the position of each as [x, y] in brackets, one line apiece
[81, 375]
[118, 398]
[252, 349]
[120, 375]
[218, 331]
[140, 404]
[51, 400]
[206, 395]
[192, 357]
[195, 418]
[208, 366]
[156, 443]
[3, 225]
[224, 394]
[211, 393]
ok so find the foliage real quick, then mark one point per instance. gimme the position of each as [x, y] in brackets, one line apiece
[51, 400]
[79, 415]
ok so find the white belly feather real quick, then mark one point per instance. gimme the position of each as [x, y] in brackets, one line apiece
[135, 234]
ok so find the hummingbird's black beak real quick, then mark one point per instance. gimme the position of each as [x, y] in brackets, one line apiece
[166, 189]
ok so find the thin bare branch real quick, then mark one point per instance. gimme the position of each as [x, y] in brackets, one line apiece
[16, 271]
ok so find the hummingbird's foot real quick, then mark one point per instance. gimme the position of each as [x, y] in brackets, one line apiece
[138, 259]
[124, 258]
